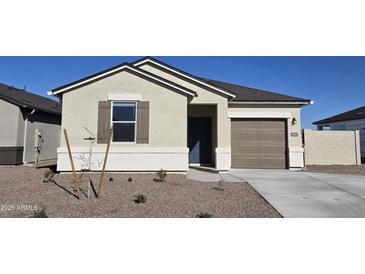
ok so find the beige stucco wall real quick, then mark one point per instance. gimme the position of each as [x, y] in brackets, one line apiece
[168, 110]
[204, 97]
[331, 147]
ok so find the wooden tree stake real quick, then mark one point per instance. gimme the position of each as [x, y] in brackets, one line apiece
[72, 164]
[104, 164]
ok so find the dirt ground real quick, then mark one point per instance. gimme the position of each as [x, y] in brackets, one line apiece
[22, 191]
[338, 169]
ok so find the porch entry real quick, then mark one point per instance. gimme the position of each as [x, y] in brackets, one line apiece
[200, 140]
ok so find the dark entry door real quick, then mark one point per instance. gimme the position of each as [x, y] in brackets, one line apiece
[200, 140]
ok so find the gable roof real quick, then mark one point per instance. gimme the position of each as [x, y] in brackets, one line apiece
[29, 100]
[120, 68]
[237, 93]
[184, 74]
[246, 94]
[355, 114]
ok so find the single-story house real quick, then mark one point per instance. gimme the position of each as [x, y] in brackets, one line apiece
[349, 120]
[30, 127]
[166, 118]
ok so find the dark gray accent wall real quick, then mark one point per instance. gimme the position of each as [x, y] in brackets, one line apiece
[9, 119]
[11, 155]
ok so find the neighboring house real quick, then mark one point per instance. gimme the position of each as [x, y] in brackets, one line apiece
[167, 118]
[350, 120]
[30, 127]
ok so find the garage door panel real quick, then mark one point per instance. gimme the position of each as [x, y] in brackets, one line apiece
[244, 149]
[272, 150]
[277, 137]
[249, 124]
[244, 136]
[272, 163]
[258, 143]
[253, 162]
[272, 124]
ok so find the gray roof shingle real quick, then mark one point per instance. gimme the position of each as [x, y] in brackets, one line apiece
[29, 100]
[358, 113]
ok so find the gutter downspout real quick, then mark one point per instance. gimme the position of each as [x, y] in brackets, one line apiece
[25, 133]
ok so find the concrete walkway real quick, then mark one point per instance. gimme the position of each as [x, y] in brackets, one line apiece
[207, 176]
[301, 194]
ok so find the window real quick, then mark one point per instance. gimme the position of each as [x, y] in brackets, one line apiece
[124, 121]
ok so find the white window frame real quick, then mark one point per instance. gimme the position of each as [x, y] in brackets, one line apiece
[124, 122]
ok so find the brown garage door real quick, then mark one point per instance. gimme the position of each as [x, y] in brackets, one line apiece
[258, 143]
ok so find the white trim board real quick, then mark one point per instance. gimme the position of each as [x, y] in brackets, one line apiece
[115, 148]
[122, 161]
[241, 114]
[270, 103]
[184, 75]
[124, 97]
[121, 68]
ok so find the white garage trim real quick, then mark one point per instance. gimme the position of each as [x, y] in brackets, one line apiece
[246, 114]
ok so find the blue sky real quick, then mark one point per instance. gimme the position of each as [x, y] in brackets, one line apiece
[335, 84]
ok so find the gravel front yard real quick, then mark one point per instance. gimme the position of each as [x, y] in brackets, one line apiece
[22, 190]
[338, 169]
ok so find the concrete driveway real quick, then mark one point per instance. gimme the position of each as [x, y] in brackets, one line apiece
[302, 194]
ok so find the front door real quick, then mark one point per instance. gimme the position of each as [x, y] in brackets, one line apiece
[200, 140]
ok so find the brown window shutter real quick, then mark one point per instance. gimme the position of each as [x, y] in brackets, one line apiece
[104, 110]
[143, 122]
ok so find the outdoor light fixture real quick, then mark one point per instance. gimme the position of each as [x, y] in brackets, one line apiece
[293, 122]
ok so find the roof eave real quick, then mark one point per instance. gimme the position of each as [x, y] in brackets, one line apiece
[273, 102]
[120, 68]
[327, 122]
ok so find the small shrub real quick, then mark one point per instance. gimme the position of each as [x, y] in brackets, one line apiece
[161, 176]
[204, 215]
[140, 199]
[39, 214]
[130, 179]
[111, 179]
[48, 176]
